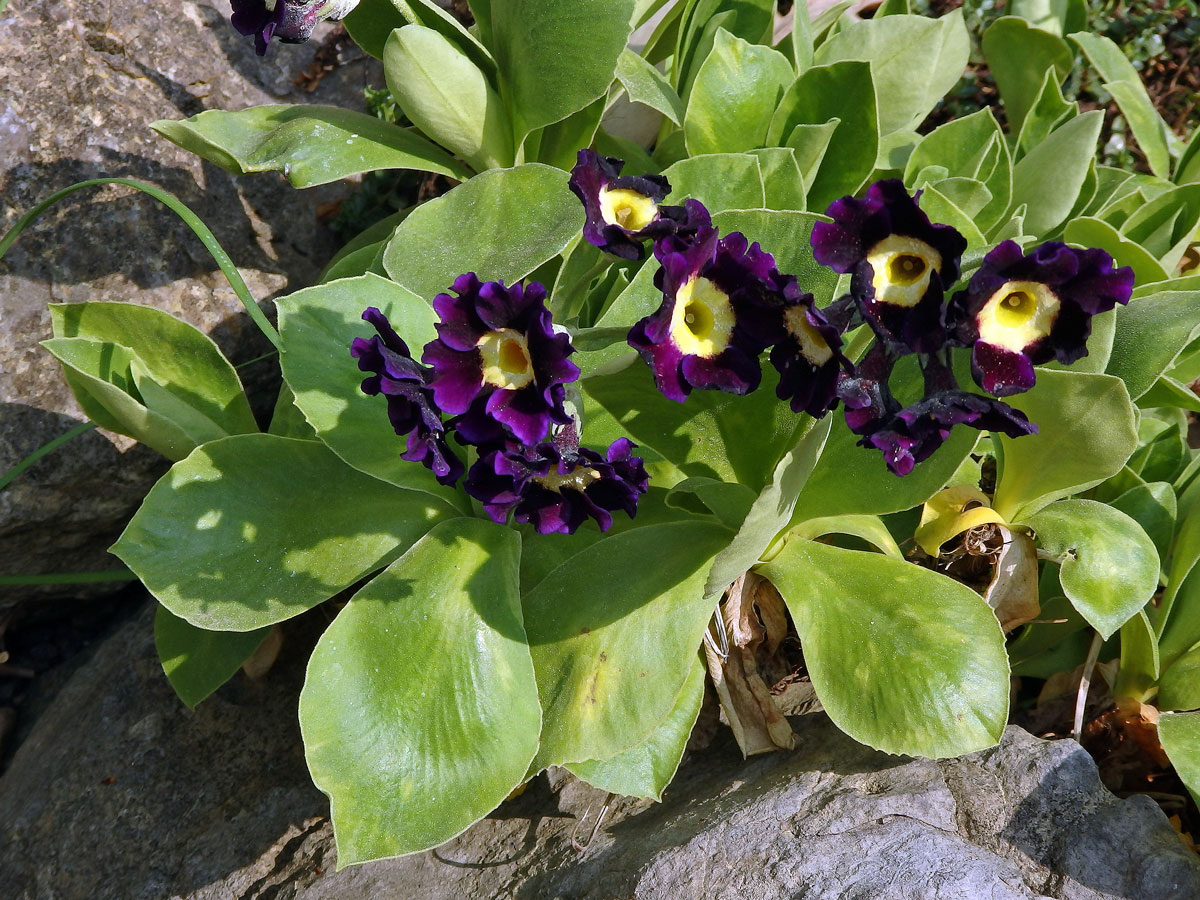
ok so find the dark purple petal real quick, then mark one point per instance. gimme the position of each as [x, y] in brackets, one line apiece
[808, 358]
[595, 178]
[999, 371]
[292, 21]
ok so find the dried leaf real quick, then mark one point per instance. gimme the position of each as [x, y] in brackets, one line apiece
[264, 657]
[1013, 592]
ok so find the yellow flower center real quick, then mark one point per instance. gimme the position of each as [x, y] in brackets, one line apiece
[506, 361]
[1018, 314]
[702, 321]
[812, 346]
[627, 209]
[577, 479]
[901, 268]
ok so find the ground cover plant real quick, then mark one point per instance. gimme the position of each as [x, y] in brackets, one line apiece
[796, 384]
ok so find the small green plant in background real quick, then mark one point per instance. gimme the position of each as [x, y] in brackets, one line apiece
[541, 593]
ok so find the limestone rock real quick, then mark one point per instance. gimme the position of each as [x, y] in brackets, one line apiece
[82, 80]
[119, 793]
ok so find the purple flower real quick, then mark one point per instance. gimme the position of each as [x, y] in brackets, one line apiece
[808, 355]
[557, 485]
[901, 263]
[497, 360]
[911, 434]
[622, 212]
[292, 21]
[1021, 310]
[411, 407]
[719, 311]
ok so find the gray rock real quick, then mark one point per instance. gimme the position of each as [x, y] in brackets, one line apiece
[82, 80]
[121, 793]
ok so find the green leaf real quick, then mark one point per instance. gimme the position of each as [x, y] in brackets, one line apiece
[734, 96]
[1151, 333]
[1086, 431]
[810, 144]
[914, 60]
[614, 632]
[750, 20]
[420, 711]
[197, 661]
[1092, 232]
[785, 235]
[1048, 112]
[1019, 55]
[646, 85]
[1138, 673]
[500, 224]
[942, 209]
[771, 512]
[903, 659]
[317, 326]
[1187, 170]
[1179, 734]
[1179, 687]
[555, 58]
[1121, 80]
[645, 769]
[1049, 178]
[446, 95]
[844, 91]
[1153, 506]
[720, 181]
[371, 23]
[869, 529]
[783, 183]
[1166, 225]
[1110, 566]
[100, 374]
[1055, 16]
[971, 147]
[310, 144]
[713, 434]
[254, 529]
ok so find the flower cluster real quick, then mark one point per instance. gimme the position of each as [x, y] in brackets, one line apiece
[292, 21]
[498, 370]
[725, 302]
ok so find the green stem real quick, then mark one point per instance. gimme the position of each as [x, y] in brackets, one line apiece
[44, 450]
[177, 206]
[70, 577]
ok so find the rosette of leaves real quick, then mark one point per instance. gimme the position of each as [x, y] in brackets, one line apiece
[468, 655]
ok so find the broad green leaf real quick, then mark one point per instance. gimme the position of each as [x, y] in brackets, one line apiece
[728, 501]
[1151, 333]
[1109, 565]
[1019, 55]
[1154, 507]
[558, 144]
[309, 144]
[713, 434]
[446, 95]
[181, 360]
[1187, 170]
[645, 769]
[1138, 673]
[371, 23]
[783, 183]
[500, 224]
[942, 209]
[1121, 80]
[1049, 178]
[1091, 232]
[734, 96]
[1086, 431]
[810, 143]
[915, 61]
[785, 235]
[358, 262]
[614, 632]
[750, 20]
[197, 661]
[1167, 224]
[317, 326]
[420, 710]
[433, 15]
[870, 529]
[1055, 16]
[1168, 392]
[801, 40]
[286, 418]
[100, 374]
[845, 91]
[254, 529]
[158, 399]
[646, 85]
[556, 58]
[1179, 734]
[1179, 687]
[970, 147]
[771, 512]
[1049, 111]
[720, 181]
[903, 659]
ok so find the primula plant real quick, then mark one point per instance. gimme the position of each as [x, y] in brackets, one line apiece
[790, 378]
